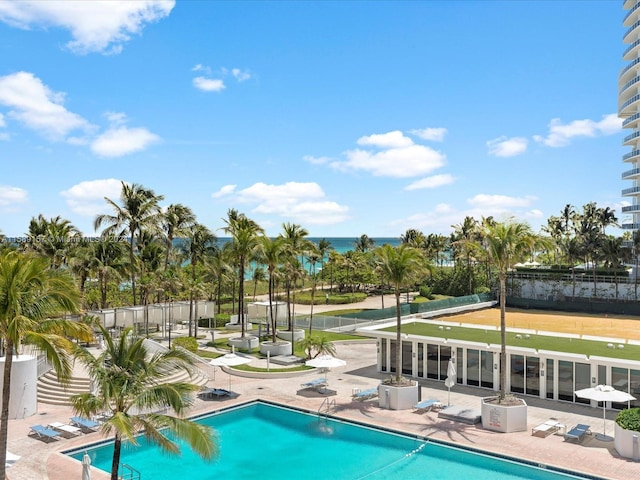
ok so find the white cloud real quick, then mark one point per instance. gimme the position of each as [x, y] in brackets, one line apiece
[10, 196]
[507, 147]
[317, 160]
[395, 162]
[119, 141]
[4, 137]
[499, 201]
[95, 26]
[240, 75]
[37, 107]
[208, 84]
[561, 134]
[116, 118]
[393, 139]
[431, 182]
[201, 68]
[433, 134]
[303, 203]
[87, 198]
[3, 123]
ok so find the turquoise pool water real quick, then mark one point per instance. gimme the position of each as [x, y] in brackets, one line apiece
[270, 442]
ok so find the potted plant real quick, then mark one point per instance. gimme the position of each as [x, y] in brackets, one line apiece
[502, 244]
[399, 266]
[627, 433]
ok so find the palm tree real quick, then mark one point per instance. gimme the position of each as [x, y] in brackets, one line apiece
[400, 266]
[200, 241]
[138, 210]
[31, 296]
[363, 244]
[505, 243]
[258, 275]
[244, 239]
[109, 260]
[52, 238]
[131, 386]
[324, 247]
[176, 220]
[270, 254]
[313, 256]
[296, 244]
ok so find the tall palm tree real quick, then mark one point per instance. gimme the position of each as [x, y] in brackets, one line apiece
[463, 236]
[109, 261]
[138, 209]
[53, 238]
[313, 256]
[271, 254]
[506, 243]
[324, 247]
[31, 296]
[296, 244]
[132, 385]
[364, 243]
[244, 239]
[177, 219]
[400, 266]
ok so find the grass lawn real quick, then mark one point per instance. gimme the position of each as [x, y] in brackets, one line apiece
[538, 342]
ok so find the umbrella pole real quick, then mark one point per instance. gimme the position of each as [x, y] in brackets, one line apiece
[449, 397]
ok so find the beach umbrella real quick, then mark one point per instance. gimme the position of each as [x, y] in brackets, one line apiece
[451, 378]
[11, 458]
[86, 467]
[326, 362]
[604, 393]
[229, 360]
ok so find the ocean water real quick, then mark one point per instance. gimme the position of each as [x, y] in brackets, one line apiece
[340, 244]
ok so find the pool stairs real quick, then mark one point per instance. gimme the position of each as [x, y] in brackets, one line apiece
[325, 408]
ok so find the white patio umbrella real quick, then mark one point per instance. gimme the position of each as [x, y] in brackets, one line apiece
[229, 360]
[604, 393]
[86, 466]
[326, 362]
[451, 378]
[11, 459]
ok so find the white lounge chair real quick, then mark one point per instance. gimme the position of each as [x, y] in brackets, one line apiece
[365, 394]
[426, 405]
[66, 430]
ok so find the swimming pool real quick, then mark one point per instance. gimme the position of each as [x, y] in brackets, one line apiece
[269, 442]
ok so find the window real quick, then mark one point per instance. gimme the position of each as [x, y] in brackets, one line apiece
[517, 373]
[473, 367]
[486, 369]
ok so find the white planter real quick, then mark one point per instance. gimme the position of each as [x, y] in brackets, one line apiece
[249, 342]
[504, 418]
[627, 442]
[396, 397]
[298, 334]
[275, 349]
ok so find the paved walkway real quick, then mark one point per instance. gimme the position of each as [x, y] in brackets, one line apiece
[593, 457]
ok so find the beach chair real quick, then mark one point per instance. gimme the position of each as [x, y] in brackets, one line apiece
[209, 393]
[65, 430]
[578, 432]
[546, 428]
[43, 433]
[365, 394]
[317, 384]
[85, 424]
[427, 405]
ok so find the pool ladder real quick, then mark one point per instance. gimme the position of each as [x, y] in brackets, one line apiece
[327, 405]
[127, 472]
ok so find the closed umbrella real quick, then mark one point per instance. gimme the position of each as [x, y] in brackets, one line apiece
[604, 393]
[229, 360]
[11, 458]
[326, 362]
[451, 378]
[86, 467]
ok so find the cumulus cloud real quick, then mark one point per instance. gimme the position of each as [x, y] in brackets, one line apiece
[37, 107]
[507, 147]
[10, 196]
[208, 84]
[561, 134]
[240, 75]
[431, 182]
[433, 134]
[3, 123]
[392, 155]
[303, 203]
[94, 26]
[87, 198]
[116, 142]
[499, 201]
[317, 160]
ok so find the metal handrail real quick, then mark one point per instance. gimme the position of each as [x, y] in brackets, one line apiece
[132, 473]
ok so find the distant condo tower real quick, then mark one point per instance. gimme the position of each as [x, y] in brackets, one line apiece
[629, 109]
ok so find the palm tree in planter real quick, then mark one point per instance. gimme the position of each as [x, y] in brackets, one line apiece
[132, 386]
[400, 266]
[32, 297]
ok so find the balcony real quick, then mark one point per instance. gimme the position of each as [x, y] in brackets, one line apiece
[626, 69]
[625, 107]
[629, 122]
[629, 53]
[630, 191]
[630, 138]
[631, 173]
[629, 31]
[628, 85]
[631, 209]
[630, 226]
[628, 18]
[631, 155]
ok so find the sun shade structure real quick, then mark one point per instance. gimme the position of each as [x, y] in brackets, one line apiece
[604, 393]
[229, 360]
[326, 362]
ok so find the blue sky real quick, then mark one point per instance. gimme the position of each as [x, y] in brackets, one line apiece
[347, 118]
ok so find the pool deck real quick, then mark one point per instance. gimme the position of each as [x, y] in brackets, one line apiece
[593, 457]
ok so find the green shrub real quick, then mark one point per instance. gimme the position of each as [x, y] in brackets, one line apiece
[629, 419]
[188, 343]
[426, 292]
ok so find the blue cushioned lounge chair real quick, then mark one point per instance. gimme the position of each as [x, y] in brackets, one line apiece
[318, 383]
[578, 432]
[84, 423]
[426, 405]
[366, 394]
[43, 433]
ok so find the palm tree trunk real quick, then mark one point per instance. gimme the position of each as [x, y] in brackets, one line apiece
[4, 413]
[133, 270]
[241, 299]
[274, 339]
[398, 339]
[115, 462]
[503, 336]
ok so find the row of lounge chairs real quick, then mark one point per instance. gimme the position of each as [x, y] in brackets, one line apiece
[576, 433]
[57, 430]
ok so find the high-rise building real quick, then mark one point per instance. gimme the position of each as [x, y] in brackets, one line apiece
[629, 110]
